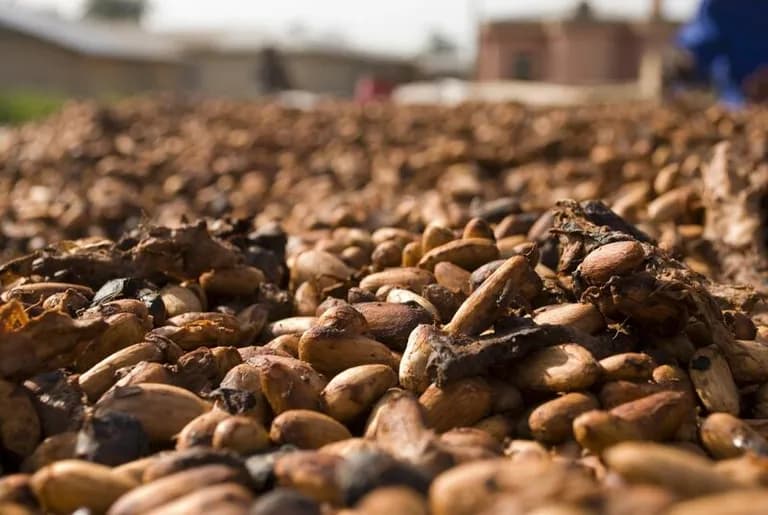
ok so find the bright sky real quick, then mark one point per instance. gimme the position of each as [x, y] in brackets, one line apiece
[386, 25]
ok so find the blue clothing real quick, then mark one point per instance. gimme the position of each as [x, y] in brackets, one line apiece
[729, 41]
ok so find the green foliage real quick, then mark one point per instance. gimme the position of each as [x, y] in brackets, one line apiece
[20, 107]
[116, 10]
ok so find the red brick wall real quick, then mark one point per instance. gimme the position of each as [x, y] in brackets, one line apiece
[567, 52]
[590, 53]
[499, 49]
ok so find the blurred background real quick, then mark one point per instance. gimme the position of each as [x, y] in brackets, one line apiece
[561, 51]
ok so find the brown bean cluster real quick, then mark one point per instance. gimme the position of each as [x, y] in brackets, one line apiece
[99, 171]
[384, 346]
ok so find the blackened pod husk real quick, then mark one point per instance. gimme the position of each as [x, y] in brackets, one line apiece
[285, 501]
[495, 210]
[58, 402]
[261, 467]
[235, 402]
[112, 439]
[278, 302]
[271, 237]
[268, 262]
[123, 287]
[151, 298]
[366, 471]
[446, 301]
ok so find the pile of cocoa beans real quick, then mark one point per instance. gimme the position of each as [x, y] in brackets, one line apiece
[95, 170]
[354, 339]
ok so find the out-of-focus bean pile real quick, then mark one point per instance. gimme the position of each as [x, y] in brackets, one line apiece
[384, 309]
[93, 170]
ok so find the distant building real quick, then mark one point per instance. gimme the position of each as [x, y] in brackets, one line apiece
[580, 49]
[337, 71]
[44, 53]
[41, 52]
[228, 65]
